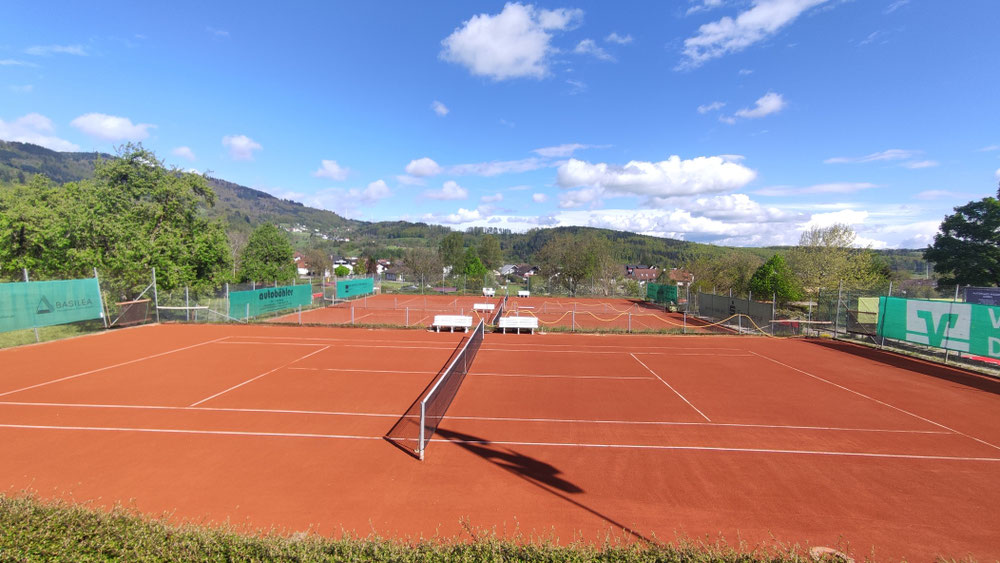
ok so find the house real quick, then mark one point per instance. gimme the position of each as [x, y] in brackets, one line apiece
[300, 264]
[641, 273]
[394, 274]
[525, 271]
[681, 277]
[507, 269]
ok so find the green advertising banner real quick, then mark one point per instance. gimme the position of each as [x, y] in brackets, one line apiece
[47, 303]
[963, 327]
[244, 304]
[352, 288]
[661, 293]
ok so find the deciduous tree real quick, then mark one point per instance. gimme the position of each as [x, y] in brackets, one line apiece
[267, 257]
[775, 278]
[966, 251]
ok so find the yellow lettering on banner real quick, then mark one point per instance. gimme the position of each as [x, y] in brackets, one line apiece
[994, 350]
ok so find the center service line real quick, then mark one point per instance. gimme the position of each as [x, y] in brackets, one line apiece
[683, 398]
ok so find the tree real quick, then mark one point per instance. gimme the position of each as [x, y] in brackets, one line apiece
[360, 265]
[825, 257]
[490, 253]
[451, 251]
[423, 264]
[572, 259]
[267, 257]
[135, 215]
[341, 271]
[371, 266]
[473, 267]
[319, 261]
[730, 272]
[966, 251]
[775, 278]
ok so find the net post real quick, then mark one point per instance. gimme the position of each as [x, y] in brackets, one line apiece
[423, 422]
[104, 306]
[227, 301]
[156, 297]
[37, 340]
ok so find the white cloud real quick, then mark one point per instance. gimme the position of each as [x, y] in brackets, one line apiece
[844, 217]
[22, 89]
[704, 5]
[917, 164]
[423, 167]
[619, 39]
[997, 174]
[241, 147]
[519, 188]
[36, 129]
[736, 208]
[330, 169]
[217, 33]
[439, 108]
[450, 190]
[498, 167]
[731, 35]
[408, 180]
[512, 44]
[184, 152]
[375, 191]
[711, 107]
[745, 72]
[14, 62]
[111, 127]
[891, 154]
[896, 5]
[990, 148]
[497, 197]
[935, 194]
[539, 198]
[46, 50]
[347, 202]
[669, 178]
[461, 216]
[831, 188]
[578, 87]
[590, 47]
[561, 151]
[592, 197]
[766, 105]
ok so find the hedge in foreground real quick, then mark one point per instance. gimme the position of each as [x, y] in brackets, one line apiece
[33, 530]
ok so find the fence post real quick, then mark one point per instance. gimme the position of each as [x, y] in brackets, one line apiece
[246, 319]
[104, 306]
[572, 321]
[836, 322]
[32, 319]
[630, 321]
[187, 305]
[407, 316]
[156, 298]
[300, 314]
[227, 302]
[774, 306]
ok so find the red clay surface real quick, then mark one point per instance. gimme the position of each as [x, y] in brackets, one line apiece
[804, 442]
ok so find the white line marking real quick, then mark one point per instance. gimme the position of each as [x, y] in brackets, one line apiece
[502, 443]
[474, 418]
[487, 349]
[719, 449]
[237, 386]
[904, 411]
[150, 357]
[477, 374]
[500, 345]
[671, 388]
[349, 345]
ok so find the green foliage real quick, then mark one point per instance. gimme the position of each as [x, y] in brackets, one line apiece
[490, 253]
[135, 215]
[450, 251]
[473, 267]
[341, 271]
[572, 259]
[730, 272]
[268, 257]
[966, 251]
[825, 257]
[423, 264]
[774, 277]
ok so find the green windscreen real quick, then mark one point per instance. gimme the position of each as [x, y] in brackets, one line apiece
[353, 288]
[964, 327]
[47, 303]
[245, 304]
[661, 293]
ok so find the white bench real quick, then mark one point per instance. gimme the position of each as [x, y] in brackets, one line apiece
[523, 293]
[452, 322]
[517, 323]
[483, 307]
[489, 292]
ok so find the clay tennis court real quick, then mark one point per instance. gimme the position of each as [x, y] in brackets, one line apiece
[565, 436]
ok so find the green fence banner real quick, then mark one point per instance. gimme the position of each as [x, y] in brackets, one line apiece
[244, 304]
[963, 327]
[47, 303]
[661, 293]
[352, 288]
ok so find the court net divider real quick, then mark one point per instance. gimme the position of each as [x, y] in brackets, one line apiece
[500, 310]
[413, 431]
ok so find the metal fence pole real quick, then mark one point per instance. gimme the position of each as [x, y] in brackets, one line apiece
[836, 321]
[774, 306]
[227, 301]
[187, 305]
[630, 321]
[26, 280]
[300, 314]
[156, 297]
[407, 316]
[104, 306]
[684, 327]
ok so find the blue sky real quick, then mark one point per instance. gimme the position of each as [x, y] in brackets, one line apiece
[737, 122]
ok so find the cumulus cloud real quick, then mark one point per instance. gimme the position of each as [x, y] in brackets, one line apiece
[590, 47]
[842, 217]
[450, 190]
[619, 39]
[669, 178]
[516, 43]
[766, 105]
[831, 188]
[111, 127]
[36, 129]
[423, 167]
[714, 106]
[330, 169]
[731, 35]
[461, 216]
[241, 147]
[184, 152]
[439, 108]
[539, 198]
[47, 50]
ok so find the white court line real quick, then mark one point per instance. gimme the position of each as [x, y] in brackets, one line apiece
[500, 443]
[238, 385]
[476, 374]
[74, 376]
[627, 347]
[904, 411]
[349, 345]
[487, 349]
[475, 418]
[671, 388]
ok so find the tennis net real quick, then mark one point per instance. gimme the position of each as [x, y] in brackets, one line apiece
[500, 310]
[414, 430]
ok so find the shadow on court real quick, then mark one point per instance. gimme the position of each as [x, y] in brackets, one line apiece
[535, 471]
[947, 373]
